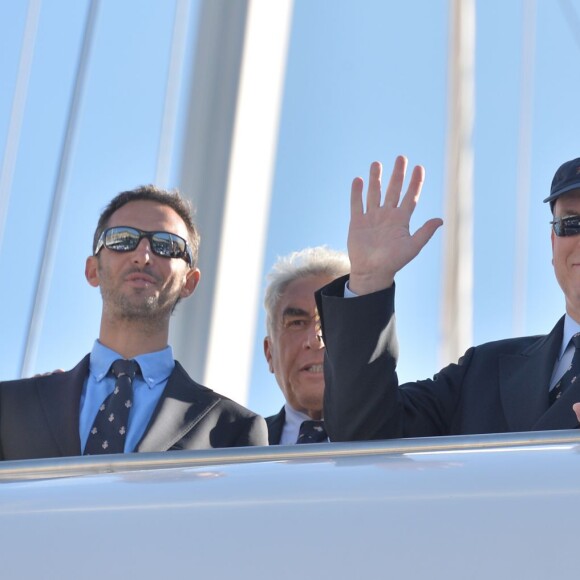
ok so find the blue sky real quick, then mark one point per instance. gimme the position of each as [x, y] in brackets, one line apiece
[366, 80]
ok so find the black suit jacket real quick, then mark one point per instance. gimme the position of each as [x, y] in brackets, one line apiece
[497, 387]
[275, 425]
[39, 417]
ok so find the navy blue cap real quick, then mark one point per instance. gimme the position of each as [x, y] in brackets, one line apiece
[566, 179]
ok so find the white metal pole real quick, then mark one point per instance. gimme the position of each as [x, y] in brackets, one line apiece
[165, 153]
[457, 298]
[227, 169]
[524, 167]
[38, 310]
[17, 112]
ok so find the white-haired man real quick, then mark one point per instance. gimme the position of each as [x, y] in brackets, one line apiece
[293, 347]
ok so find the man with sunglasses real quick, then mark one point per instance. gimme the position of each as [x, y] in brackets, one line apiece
[520, 384]
[129, 394]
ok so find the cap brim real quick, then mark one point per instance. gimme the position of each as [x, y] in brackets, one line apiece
[560, 192]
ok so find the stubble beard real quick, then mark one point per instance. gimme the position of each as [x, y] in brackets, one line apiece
[147, 311]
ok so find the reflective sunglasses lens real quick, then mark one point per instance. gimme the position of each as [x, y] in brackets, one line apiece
[567, 226]
[167, 245]
[122, 239]
[126, 239]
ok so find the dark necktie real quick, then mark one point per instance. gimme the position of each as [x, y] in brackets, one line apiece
[571, 375]
[312, 432]
[109, 429]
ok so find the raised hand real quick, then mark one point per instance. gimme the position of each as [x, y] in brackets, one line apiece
[379, 240]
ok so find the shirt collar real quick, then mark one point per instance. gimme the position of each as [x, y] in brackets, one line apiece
[155, 366]
[294, 417]
[571, 327]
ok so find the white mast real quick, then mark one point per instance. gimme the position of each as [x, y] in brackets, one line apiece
[457, 299]
[37, 314]
[173, 88]
[226, 169]
[17, 113]
[524, 164]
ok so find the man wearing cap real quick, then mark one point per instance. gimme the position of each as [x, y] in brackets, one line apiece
[519, 384]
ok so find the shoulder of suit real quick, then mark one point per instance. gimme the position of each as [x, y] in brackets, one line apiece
[526, 344]
[180, 372]
[512, 345]
[272, 419]
[82, 367]
[206, 392]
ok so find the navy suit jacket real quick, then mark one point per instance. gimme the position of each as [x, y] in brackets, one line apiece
[275, 426]
[39, 417]
[500, 386]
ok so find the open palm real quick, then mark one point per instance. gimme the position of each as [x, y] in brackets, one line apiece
[379, 240]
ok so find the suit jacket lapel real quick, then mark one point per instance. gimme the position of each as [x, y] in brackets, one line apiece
[182, 405]
[60, 396]
[275, 425]
[524, 381]
[560, 414]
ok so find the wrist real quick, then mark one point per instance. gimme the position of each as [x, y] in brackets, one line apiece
[361, 284]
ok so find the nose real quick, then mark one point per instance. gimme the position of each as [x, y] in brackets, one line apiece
[142, 253]
[314, 338]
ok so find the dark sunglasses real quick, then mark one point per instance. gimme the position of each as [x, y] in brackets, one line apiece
[126, 239]
[566, 226]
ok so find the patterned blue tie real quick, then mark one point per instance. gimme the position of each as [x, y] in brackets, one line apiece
[312, 432]
[571, 375]
[109, 429]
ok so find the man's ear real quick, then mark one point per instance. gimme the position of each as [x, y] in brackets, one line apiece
[268, 353]
[92, 271]
[191, 281]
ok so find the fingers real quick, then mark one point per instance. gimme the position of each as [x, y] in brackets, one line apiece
[393, 192]
[379, 239]
[55, 371]
[425, 233]
[413, 193]
[374, 191]
[356, 204]
[576, 409]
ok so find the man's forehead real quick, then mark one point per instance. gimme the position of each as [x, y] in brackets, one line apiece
[568, 202]
[299, 294]
[147, 214]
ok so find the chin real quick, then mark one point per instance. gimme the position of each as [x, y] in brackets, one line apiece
[311, 400]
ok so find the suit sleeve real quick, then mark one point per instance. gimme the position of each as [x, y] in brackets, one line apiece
[255, 433]
[362, 399]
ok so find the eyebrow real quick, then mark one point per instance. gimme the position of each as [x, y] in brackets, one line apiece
[293, 311]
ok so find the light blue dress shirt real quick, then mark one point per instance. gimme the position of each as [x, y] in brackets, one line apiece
[292, 423]
[147, 390]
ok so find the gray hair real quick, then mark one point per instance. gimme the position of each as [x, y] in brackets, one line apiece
[318, 261]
